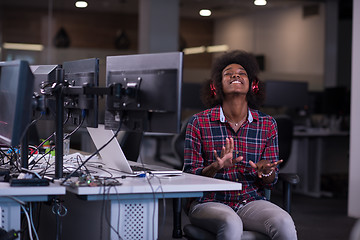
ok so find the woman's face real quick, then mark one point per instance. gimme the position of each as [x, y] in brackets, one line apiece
[235, 80]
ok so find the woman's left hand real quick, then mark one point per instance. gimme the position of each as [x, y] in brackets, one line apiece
[264, 167]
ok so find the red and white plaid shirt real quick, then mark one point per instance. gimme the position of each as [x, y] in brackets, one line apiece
[256, 139]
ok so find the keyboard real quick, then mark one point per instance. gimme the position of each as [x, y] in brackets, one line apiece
[140, 169]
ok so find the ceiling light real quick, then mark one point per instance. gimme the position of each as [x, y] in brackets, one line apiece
[260, 2]
[81, 4]
[23, 46]
[217, 48]
[205, 12]
[194, 50]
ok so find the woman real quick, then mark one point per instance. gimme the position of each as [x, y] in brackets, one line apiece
[233, 141]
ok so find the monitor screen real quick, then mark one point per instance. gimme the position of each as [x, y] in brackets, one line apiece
[146, 93]
[191, 96]
[16, 84]
[78, 74]
[286, 94]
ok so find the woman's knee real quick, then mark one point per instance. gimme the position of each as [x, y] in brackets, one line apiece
[282, 227]
[231, 227]
[218, 219]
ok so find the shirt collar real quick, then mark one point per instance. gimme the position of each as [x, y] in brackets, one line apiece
[222, 116]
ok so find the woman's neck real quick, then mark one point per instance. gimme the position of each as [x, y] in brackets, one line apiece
[235, 109]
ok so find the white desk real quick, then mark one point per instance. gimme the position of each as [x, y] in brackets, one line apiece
[310, 151]
[135, 202]
[10, 209]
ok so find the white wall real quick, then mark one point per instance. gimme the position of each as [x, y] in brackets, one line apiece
[293, 45]
[354, 169]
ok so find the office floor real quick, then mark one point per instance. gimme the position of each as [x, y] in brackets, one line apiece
[315, 218]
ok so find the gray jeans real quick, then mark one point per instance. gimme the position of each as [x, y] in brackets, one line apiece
[260, 216]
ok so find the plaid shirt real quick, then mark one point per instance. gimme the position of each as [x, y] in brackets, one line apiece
[256, 139]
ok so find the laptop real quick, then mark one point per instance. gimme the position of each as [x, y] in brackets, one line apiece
[113, 156]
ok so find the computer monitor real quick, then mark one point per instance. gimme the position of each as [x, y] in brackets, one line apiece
[78, 74]
[16, 84]
[191, 96]
[289, 94]
[146, 92]
[44, 78]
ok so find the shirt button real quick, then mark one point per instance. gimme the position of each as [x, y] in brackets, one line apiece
[237, 179]
[239, 194]
[237, 152]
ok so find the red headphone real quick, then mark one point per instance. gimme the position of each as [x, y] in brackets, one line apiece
[255, 87]
[213, 89]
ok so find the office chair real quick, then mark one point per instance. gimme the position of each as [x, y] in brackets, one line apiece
[285, 137]
[285, 133]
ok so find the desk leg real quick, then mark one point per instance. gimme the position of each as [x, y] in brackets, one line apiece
[134, 219]
[177, 231]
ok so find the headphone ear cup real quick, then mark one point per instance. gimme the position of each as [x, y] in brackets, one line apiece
[213, 89]
[255, 86]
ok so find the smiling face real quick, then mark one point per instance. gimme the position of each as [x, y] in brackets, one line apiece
[235, 80]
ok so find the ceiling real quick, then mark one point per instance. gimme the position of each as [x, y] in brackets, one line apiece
[188, 8]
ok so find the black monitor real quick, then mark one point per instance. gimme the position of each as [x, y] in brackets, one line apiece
[146, 92]
[78, 74]
[16, 84]
[44, 78]
[289, 94]
[191, 96]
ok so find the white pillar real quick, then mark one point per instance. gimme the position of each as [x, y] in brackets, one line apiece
[354, 166]
[158, 26]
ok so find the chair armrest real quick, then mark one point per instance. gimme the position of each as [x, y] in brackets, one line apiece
[291, 178]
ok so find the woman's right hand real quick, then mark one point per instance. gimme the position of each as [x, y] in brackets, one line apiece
[226, 158]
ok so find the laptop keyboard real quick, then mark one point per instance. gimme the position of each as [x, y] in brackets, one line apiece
[140, 169]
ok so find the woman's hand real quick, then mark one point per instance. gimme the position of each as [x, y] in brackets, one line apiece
[226, 158]
[265, 168]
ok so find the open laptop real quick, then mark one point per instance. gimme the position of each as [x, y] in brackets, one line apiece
[113, 156]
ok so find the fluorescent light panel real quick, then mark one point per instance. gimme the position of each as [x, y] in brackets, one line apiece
[23, 46]
[217, 48]
[194, 50]
[203, 49]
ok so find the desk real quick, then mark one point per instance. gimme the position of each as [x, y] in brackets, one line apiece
[134, 204]
[310, 150]
[10, 209]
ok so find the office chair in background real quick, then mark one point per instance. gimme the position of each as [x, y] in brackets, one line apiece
[285, 132]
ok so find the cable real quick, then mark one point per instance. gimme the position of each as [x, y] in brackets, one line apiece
[92, 155]
[107, 217]
[32, 223]
[83, 113]
[29, 125]
[28, 221]
[48, 138]
[164, 202]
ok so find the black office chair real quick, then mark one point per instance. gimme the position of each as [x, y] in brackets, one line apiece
[285, 132]
[285, 136]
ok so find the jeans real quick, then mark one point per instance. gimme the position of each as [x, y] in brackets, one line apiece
[260, 216]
